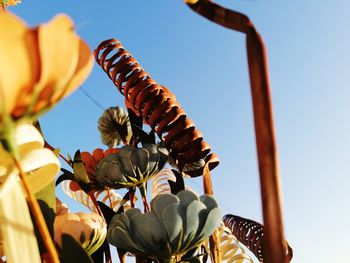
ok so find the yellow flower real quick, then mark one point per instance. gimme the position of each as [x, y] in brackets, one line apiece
[87, 228]
[39, 66]
[9, 2]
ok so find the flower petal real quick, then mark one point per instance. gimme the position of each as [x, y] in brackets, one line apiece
[59, 56]
[98, 155]
[194, 215]
[187, 197]
[160, 202]
[19, 63]
[149, 232]
[89, 162]
[111, 150]
[82, 70]
[173, 224]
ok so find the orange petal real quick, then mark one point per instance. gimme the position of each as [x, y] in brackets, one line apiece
[98, 154]
[111, 150]
[13, 2]
[59, 56]
[89, 162]
[74, 186]
[19, 63]
[82, 71]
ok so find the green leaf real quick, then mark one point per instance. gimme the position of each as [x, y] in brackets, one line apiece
[177, 186]
[47, 202]
[107, 212]
[136, 125]
[97, 256]
[82, 238]
[48, 195]
[57, 151]
[79, 169]
[72, 252]
[172, 222]
[49, 216]
[67, 175]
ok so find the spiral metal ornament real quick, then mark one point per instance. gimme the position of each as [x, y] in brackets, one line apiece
[157, 106]
[250, 233]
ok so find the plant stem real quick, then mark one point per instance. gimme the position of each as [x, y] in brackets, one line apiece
[132, 196]
[48, 146]
[109, 197]
[143, 192]
[3, 8]
[38, 216]
[169, 260]
[106, 250]
[94, 201]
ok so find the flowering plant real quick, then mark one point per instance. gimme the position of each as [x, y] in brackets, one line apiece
[39, 67]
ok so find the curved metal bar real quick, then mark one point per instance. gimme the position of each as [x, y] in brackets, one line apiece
[274, 242]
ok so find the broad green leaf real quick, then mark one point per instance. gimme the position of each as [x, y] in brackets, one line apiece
[67, 175]
[48, 195]
[160, 202]
[172, 222]
[186, 197]
[107, 212]
[177, 186]
[194, 216]
[79, 169]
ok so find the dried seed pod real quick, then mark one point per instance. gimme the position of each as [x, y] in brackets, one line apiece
[157, 106]
[114, 127]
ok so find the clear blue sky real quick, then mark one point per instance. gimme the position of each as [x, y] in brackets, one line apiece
[205, 66]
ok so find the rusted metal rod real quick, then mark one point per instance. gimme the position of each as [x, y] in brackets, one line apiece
[274, 241]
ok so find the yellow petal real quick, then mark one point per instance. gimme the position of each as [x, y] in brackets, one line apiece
[14, 2]
[59, 56]
[19, 66]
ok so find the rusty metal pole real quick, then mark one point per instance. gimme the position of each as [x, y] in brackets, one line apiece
[274, 241]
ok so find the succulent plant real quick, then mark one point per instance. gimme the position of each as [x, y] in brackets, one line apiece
[131, 167]
[175, 224]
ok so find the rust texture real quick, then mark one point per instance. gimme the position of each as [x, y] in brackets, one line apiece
[274, 241]
[251, 233]
[158, 108]
[214, 240]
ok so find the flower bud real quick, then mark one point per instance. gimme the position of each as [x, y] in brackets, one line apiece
[89, 229]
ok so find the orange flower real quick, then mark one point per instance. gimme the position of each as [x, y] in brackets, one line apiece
[90, 162]
[39, 66]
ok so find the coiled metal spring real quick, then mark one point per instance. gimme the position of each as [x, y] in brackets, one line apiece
[158, 108]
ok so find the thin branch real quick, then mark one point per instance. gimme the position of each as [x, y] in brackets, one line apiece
[38, 216]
